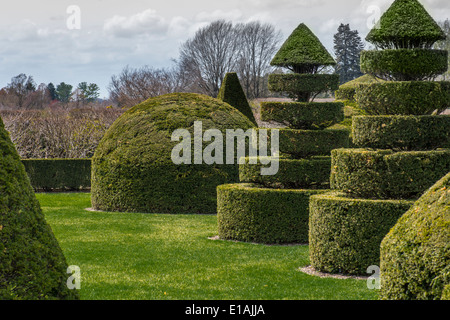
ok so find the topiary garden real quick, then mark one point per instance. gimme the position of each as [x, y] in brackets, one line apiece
[274, 208]
[400, 146]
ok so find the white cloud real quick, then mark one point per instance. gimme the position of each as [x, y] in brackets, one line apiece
[143, 23]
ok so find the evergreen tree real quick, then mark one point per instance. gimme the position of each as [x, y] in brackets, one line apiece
[52, 90]
[347, 47]
[64, 92]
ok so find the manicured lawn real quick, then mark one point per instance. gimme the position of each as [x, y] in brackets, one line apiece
[160, 256]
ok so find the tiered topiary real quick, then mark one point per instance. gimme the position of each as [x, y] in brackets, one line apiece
[133, 169]
[274, 208]
[415, 254]
[374, 187]
[32, 264]
[232, 93]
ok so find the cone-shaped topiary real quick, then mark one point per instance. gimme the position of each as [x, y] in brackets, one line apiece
[133, 169]
[232, 93]
[32, 265]
[415, 254]
[406, 24]
[302, 52]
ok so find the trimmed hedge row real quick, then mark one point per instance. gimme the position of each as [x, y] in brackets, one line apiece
[296, 82]
[415, 254]
[303, 115]
[345, 233]
[402, 132]
[347, 91]
[292, 174]
[404, 97]
[247, 212]
[404, 64]
[59, 174]
[306, 143]
[386, 174]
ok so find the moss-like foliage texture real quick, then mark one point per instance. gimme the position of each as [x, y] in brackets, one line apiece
[132, 168]
[415, 254]
[32, 264]
[302, 49]
[232, 93]
[402, 132]
[345, 233]
[406, 24]
[347, 91]
[249, 212]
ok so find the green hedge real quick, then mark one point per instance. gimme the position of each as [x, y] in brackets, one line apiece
[303, 115]
[402, 132]
[386, 174]
[292, 174]
[294, 82]
[32, 264]
[232, 93]
[345, 233]
[246, 212]
[403, 97]
[415, 254]
[347, 91]
[59, 174]
[405, 64]
[306, 143]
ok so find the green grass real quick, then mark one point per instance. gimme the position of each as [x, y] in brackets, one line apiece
[126, 256]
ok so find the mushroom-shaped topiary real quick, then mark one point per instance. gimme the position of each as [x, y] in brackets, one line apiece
[32, 265]
[415, 254]
[132, 168]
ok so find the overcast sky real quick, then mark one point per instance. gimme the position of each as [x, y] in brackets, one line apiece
[44, 39]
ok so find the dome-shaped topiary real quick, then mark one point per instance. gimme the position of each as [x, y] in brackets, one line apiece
[32, 265]
[232, 93]
[132, 168]
[415, 254]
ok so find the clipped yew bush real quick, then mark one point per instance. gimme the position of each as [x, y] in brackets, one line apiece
[399, 132]
[32, 264]
[347, 91]
[303, 115]
[132, 168]
[385, 174]
[251, 213]
[415, 254]
[232, 93]
[345, 232]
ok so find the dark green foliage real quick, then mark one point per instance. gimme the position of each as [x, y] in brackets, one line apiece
[385, 174]
[32, 265]
[406, 24]
[302, 52]
[415, 254]
[347, 91]
[402, 132]
[303, 115]
[247, 212]
[306, 143]
[345, 233]
[405, 64]
[347, 49]
[404, 97]
[298, 85]
[132, 169]
[59, 174]
[311, 173]
[232, 93]
[446, 293]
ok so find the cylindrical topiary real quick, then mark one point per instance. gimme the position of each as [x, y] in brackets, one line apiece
[385, 174]
[402, 132]
[303, 115]
[32, 264]
[415, 254]
[345, 233]
[133, 170]
[251, 213]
